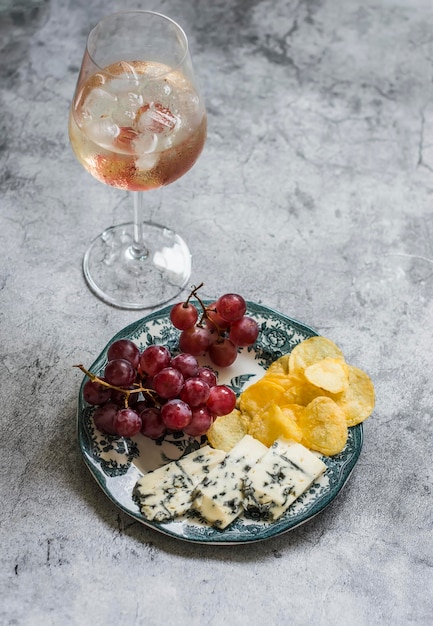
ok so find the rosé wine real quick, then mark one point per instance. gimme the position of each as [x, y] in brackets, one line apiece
[137, 125]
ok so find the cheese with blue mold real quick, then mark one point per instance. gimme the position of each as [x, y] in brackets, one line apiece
[167, 491]
[284, 473]
[218, 498]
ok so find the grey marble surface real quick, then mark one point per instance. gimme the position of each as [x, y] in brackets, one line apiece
[314, 195]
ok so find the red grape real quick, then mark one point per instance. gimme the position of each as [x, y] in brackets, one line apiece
[154, 358]
[222, 400]
[195, 392]
[176, 414]
[223, 353]
[168, 382]
[195, 341]
[148, 382]
[127, 423]
[244, 332]
[231, 307]
[119, 398]
[200, 423]
[142, 404]
[103, 418]
[208, 375]
[152, 425]
[95, 393]
[119, 373]
[173, 393]
[183, 315]
[187, 364]
[214, 321]
[124, 349]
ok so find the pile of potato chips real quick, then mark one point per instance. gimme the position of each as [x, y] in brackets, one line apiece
[310, 396]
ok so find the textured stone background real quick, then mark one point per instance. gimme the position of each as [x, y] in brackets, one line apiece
[314, 195]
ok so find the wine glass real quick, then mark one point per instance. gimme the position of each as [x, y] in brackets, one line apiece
[137, 122]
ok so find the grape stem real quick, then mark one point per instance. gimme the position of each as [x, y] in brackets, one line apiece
[194, 294]
[205, 310]
[127, 392]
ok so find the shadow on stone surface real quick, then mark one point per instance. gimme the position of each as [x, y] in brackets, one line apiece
[19, 20]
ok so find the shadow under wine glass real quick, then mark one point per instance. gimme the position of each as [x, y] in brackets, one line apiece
[137, 122]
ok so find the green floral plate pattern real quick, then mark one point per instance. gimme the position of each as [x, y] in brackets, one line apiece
[117, 463]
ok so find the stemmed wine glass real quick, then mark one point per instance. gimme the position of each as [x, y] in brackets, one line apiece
[137, 122]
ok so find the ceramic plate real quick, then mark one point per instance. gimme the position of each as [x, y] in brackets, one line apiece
[117, 463]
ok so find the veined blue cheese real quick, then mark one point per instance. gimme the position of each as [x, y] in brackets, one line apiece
[167, 491]
[279, 478]
[218, 498]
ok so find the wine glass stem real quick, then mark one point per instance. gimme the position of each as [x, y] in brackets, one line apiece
[138, 248]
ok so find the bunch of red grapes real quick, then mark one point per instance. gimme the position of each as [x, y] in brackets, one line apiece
[153, 393]
[221, 329]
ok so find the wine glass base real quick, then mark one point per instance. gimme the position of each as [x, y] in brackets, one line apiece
[122, 279]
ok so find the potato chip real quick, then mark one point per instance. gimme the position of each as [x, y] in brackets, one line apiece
[279, 367]
[292, 411]
[358, 401]
[271, 423]
[310, 395]
[258, 395]
[283, 380]
[300, 391]
[330, 374]
[228, 430]
[324, 426]
[291, 414]
[310, 351]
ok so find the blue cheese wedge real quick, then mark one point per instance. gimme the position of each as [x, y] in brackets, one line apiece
[285, 472]
[218, 498]
[167, 492]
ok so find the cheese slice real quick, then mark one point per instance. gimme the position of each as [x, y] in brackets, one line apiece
[285, 472]
[167, 491]
[218, 498]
